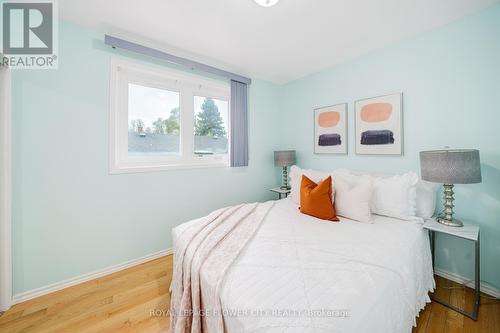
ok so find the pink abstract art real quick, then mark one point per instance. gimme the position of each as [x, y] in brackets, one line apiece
[328, 119]
[376, 112]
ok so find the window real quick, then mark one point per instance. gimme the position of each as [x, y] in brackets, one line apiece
[210, 125]
[164, 119]
[153, 120]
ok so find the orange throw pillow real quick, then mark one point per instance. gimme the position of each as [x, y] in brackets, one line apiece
[316, 199]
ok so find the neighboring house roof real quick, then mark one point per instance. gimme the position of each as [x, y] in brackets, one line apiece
[158, 143]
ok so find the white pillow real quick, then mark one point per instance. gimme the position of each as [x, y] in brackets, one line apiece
[426, 199]
[314, 175]
[426, 195]
[296, 178]
[353, 197]
[396, 196]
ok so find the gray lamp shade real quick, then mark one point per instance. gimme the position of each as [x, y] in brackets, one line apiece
[284, 158]
[454, 166]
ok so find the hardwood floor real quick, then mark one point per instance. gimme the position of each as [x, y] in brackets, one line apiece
[124, 302]
[120, 302]
[437, 318]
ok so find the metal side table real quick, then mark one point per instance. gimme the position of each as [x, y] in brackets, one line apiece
[282, 193]
[468, 232]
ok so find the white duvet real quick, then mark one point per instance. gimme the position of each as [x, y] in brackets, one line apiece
[302, 274]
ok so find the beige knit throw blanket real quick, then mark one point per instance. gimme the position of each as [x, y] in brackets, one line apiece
[203, 252]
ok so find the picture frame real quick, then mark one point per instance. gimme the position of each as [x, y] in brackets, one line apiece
[379, 125]
[330, 129]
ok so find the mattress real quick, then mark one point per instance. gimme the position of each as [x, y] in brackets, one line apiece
[302, 274]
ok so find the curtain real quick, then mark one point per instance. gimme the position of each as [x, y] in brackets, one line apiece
[5, 190]
[239, 124]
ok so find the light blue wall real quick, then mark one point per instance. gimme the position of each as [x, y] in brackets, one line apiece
[450, 78]
[70, 216]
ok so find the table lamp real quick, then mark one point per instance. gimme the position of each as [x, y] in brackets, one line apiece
[284, 158]
[449, 167]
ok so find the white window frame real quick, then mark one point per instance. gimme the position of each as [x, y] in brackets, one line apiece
[187, 85]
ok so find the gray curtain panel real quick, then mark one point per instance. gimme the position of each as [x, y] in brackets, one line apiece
[239, 124]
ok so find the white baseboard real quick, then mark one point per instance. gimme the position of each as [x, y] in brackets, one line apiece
[27, 295]
[485, 287]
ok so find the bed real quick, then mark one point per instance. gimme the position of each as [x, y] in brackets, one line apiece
[301, 274]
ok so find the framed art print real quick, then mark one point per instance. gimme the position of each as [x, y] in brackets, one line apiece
[330, 129]
[379, 125]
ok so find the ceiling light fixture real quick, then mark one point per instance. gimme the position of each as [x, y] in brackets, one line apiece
[266, 3]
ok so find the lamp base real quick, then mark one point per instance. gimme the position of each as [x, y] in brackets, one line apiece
[450, 223]
[446, 216]
[284, 183]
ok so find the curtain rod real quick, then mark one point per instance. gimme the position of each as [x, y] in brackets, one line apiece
[144, 50]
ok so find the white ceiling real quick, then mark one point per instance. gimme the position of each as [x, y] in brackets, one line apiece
[281, 43]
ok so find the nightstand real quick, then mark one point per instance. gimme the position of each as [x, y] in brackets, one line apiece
[467, 232]
[281, 192]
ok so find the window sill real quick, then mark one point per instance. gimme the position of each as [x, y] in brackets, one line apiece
[115, 170]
